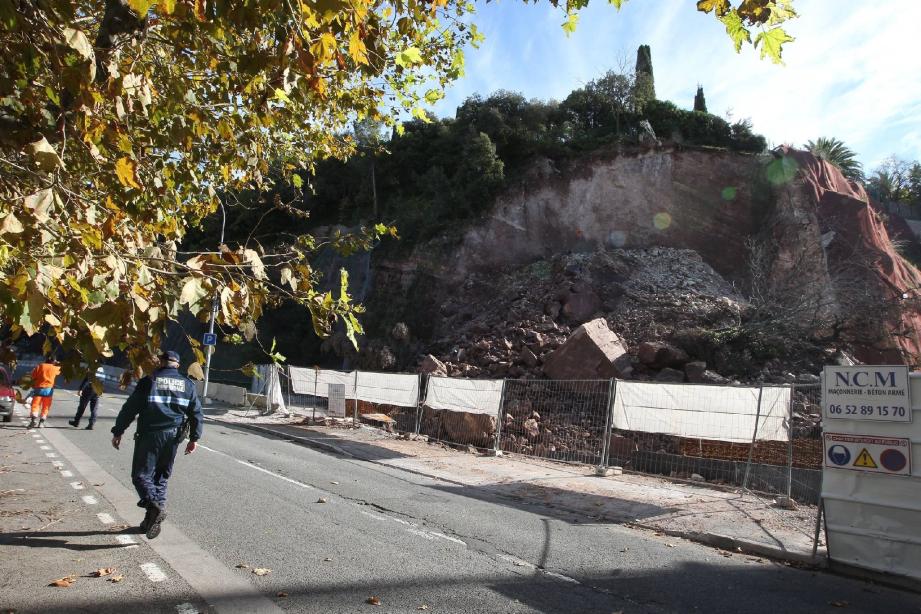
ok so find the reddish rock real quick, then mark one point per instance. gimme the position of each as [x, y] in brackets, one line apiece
[659, 355]
[695, 371]
[670, 375]
[528, 357]
[593, 351]
[462, 427]
[531, 429]
[432, 366]
[581, 306]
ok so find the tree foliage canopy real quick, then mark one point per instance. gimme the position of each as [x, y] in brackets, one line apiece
[122, 121]
[835, 151]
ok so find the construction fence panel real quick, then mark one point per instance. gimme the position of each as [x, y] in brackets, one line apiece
[395, 395]
[564, 420]
[462, 411]
[738, 436]
[310, 389]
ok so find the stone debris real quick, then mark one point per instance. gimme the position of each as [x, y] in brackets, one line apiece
[593, 351]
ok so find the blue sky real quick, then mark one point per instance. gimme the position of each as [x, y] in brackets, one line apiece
[854, 71]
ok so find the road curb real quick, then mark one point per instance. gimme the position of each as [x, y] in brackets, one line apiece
[716, 540]
[735, 544]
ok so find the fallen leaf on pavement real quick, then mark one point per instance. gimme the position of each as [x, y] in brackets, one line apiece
[337, 483]
[262, 571]
[64, 582]
[321, 500]
[373, 600]
[327, 560]
[670, 545]
[423, 607]
[100, 484]
[839, 604]
[242, 566]
[116, 579]
[102, 571]
[119, 527]
[282, 594]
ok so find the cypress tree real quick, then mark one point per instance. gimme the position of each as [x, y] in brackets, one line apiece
[700, 103]
[645, 86]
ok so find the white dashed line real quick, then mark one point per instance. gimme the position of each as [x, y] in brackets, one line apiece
[35, 435]
[127, 541]
[77, 485]
[44, 447]
[90, 500]
[258, 468]
[51, 455]
[67, 474]
[57, 465]
[105, 518]
[154, 574]
[186, 608]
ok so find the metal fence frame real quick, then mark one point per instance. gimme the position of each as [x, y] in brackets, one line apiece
[790, 468]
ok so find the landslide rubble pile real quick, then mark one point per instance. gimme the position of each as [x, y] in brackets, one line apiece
[508, 325]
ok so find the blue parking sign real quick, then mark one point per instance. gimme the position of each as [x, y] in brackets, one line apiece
[209, 339]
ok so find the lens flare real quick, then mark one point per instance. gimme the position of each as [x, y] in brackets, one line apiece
[662, 220]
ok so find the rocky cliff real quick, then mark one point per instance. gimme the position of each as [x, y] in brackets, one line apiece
[750, 263]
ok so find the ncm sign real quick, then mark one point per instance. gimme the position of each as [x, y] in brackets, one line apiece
[866, 379]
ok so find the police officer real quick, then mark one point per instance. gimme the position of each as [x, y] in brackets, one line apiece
[164, 403]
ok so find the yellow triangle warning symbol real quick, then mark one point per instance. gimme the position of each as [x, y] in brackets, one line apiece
[865, 460]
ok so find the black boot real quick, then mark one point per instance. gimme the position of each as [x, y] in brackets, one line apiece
[157, 518]
[74, 423]
[32, 422]
[89, 427]
[148, 517]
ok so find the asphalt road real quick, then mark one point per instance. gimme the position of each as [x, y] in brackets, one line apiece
[337, 531]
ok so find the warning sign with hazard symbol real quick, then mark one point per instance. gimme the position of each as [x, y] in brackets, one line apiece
[889, 455]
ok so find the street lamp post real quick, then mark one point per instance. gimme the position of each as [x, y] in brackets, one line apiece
[214, 307]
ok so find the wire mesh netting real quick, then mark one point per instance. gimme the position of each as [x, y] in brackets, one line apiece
[561, 420]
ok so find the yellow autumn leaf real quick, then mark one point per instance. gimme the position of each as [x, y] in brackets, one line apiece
[126, 170]
[357, 48]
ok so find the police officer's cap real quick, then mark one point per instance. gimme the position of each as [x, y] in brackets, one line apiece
[169, 356]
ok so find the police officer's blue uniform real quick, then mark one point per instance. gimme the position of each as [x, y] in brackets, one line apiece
[160, 402]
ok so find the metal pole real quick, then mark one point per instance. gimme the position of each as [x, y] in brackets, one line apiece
[315, 375]
[499, 420]
[355, 394]
[818, 528]
[214, 307]
[608, 419]
[790, 449]
[419, 394]
[422, 404]
[751, 449]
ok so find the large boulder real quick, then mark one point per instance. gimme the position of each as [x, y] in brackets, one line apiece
[670, 375]
[580, 304]
[466, 428]
[432, 366]
[698, 373]
[593, 351]
[659, 355]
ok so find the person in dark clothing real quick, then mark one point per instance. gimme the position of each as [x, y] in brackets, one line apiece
[165, 403]
[88, 396]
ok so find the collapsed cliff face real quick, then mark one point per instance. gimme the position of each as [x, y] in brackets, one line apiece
[698, 200]
[661, 244]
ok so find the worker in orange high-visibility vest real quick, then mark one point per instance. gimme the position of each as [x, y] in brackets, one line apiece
[43, 377]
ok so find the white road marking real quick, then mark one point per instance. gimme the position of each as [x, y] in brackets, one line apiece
[51, 455]
[44, 447]
[186, 608]
[57, 465]
[67, 474]
[77, 485]
[90, 500]
[258, 468]
[105, 518]
[153, 573]
[35, 435]
[127, 541]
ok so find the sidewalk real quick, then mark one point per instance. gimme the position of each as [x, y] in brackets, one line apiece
[730, 520]
[55, 524]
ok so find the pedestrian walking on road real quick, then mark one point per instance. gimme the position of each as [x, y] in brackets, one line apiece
[88, 396]
[167, 408]
[43, 376]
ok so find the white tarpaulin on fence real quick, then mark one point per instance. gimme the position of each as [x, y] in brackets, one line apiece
[704, 412]
[475, 396]
[316, 381]
[388, 388]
